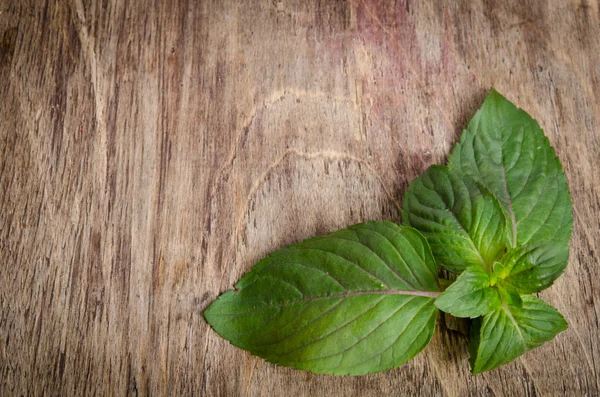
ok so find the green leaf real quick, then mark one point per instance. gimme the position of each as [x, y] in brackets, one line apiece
[470, 295]
[506, 150]
[356, 301]
[534, 267]
[462, 221]
[509, 331]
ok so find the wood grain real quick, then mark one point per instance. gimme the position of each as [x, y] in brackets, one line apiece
[152, 151]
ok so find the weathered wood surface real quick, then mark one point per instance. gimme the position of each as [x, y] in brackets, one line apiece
[151, 152]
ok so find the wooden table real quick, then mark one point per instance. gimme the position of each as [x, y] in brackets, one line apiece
[152, 152]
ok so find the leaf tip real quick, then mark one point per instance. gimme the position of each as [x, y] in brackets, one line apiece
[495, 94]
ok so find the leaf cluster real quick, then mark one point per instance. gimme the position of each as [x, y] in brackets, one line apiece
[365, 299]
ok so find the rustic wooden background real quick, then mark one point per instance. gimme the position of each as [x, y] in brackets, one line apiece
[152, 151]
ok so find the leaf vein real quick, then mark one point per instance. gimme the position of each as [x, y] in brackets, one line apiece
[334, 330]
[396, 340]
[508, 198]
[342, 300]
[304, 265]
[381, 259]
[349, 261]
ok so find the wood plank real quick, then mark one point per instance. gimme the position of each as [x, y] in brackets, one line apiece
[152, 151]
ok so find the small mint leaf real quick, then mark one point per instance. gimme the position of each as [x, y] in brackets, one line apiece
[470, 295]
[357, 301]
[509, 331]
[460, 218]
[534, 267]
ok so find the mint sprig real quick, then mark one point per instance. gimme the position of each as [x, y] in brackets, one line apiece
[365, 299]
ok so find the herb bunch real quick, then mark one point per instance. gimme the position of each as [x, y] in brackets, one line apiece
[365, 299]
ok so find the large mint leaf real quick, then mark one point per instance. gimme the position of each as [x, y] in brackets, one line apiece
[534, 267]
[356, 301]
[461, 219]
[471, 295]
[509, 331]
[506, 150]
